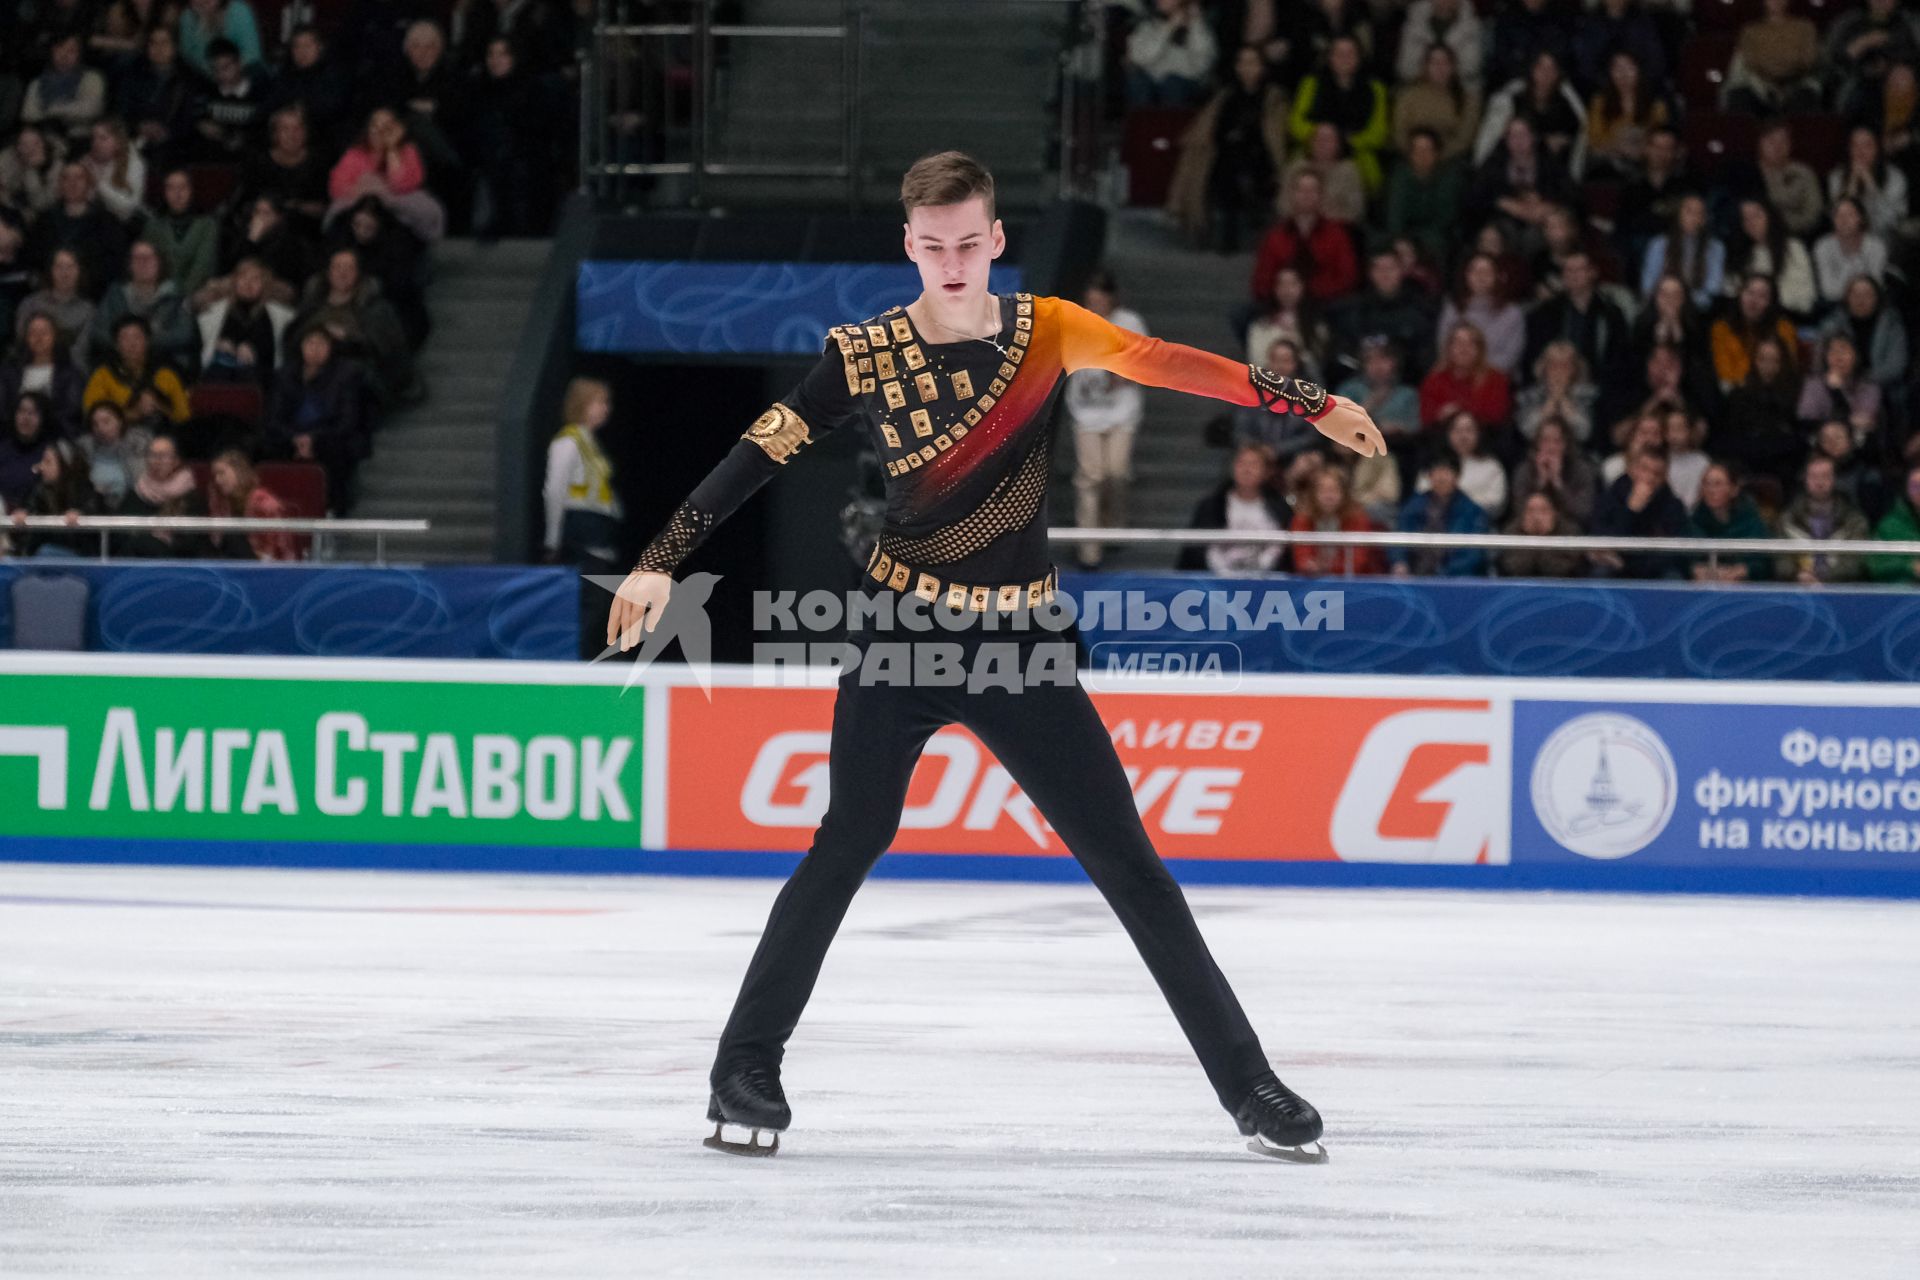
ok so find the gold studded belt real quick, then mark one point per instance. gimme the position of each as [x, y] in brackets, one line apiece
[978, 597]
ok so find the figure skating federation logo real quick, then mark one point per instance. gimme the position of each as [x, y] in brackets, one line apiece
[1604, 785]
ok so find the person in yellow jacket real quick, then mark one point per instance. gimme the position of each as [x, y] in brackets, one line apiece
[1345, 96]
[130, 379]
[583, 513]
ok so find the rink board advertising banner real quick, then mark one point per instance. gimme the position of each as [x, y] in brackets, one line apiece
[1489, 783]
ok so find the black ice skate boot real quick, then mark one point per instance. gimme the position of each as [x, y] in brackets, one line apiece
[1281, 1122]
[748, 1097]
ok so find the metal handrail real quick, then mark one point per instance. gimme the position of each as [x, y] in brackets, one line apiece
[106, 526]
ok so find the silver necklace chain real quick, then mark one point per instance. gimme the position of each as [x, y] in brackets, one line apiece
[970, 337]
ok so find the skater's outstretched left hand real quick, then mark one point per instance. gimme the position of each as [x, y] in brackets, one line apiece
[1346, 423]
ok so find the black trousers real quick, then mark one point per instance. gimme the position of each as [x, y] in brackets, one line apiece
[1050, 739]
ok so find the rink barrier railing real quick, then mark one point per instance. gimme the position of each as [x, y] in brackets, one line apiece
[1711, 548]
[323, 531]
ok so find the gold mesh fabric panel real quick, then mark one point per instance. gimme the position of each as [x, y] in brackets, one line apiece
[1013, 502]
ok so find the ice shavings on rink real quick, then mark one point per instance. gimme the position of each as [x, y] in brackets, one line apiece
[246, 1073]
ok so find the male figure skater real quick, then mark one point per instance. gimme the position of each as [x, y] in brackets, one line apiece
[957, 390]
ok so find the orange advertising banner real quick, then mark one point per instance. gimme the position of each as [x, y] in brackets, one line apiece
[1246, 776]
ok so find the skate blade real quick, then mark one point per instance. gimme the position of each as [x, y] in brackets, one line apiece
[751, 1147]
[1295, 1155]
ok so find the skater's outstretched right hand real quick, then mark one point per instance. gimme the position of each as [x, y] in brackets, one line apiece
[1347, 422]
[636, 607]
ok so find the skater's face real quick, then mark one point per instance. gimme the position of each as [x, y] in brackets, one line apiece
[954, 246]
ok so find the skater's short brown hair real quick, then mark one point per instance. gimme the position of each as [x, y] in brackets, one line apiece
[946, 177]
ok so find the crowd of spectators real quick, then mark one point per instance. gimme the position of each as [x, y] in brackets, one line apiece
[216, 230]
[1633, 267]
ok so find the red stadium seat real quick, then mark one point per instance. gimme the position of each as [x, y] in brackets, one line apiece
[241, 402]
[213, 185]
[1704, 60]
[1151, 148]
[302, 490]
[1711, 138]
[1820, 142]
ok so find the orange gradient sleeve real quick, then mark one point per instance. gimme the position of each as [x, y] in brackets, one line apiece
[1088, 341]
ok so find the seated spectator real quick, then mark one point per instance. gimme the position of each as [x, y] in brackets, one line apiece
[1292, 316]
[1821, 513]
[78, 221]
[208, 24]
[1439, 102]
[1424, 194]
[41, 364]
[1763, 248]
[1343, 195]
[1283, 435]
[1900, 524]
[116, 455]
[60, 489]
[1852, 475]
[1686, 463]
[230, 116]
[1518, 185]
[68, 96]
[1689, 250]
[1876, 329]
[150, 392]
[1342, 94]
[1840, 391]
[1170, 55]
[511, 120]
[30, 170]
[1453, 25]
[1640, 505]
[16, 277]
[1848, 251]
[1549, 104]
[1480, 477]
[1564, 237]
[1669, 320]
[385, 164]
[119, 174]
[1539, 518]
[1754, 316]
[1463, 381]
[1422, 276]
[241, 334]
[1245, 501]
[1391, 307]
[392, 255]
[431, 98]
[1560, 392]
[318, 413]
[149, 294]
[1483, 303]
[1311, 30]
[165, 488]
[237, 491]
[1761, 426]
[1725, 512]
[1522, 30]
[1376, 487]
[1775, 64]
[290, 170]
[119, 34]
[1223, 184]
[1865, 178]
[1610, 26]
[1391, 403]
[1620, 118]
[1320, 248]
[1440, 508]
[21, 446]
[160, 100]
[1666, 389]
[1333, 510]
[312, 81]
[1646, 430]
[1781, 182]
[1650, 199]
[265, 234]
[63, 300]
[363, 324]
[1892, 114]
[1868, 40]
[189, 242]
[1556, 468]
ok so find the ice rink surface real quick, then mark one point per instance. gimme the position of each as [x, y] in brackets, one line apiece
[266, 1073]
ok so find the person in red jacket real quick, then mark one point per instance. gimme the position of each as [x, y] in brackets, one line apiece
[1320, 248]
[1463, 382]
[1332, 509]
